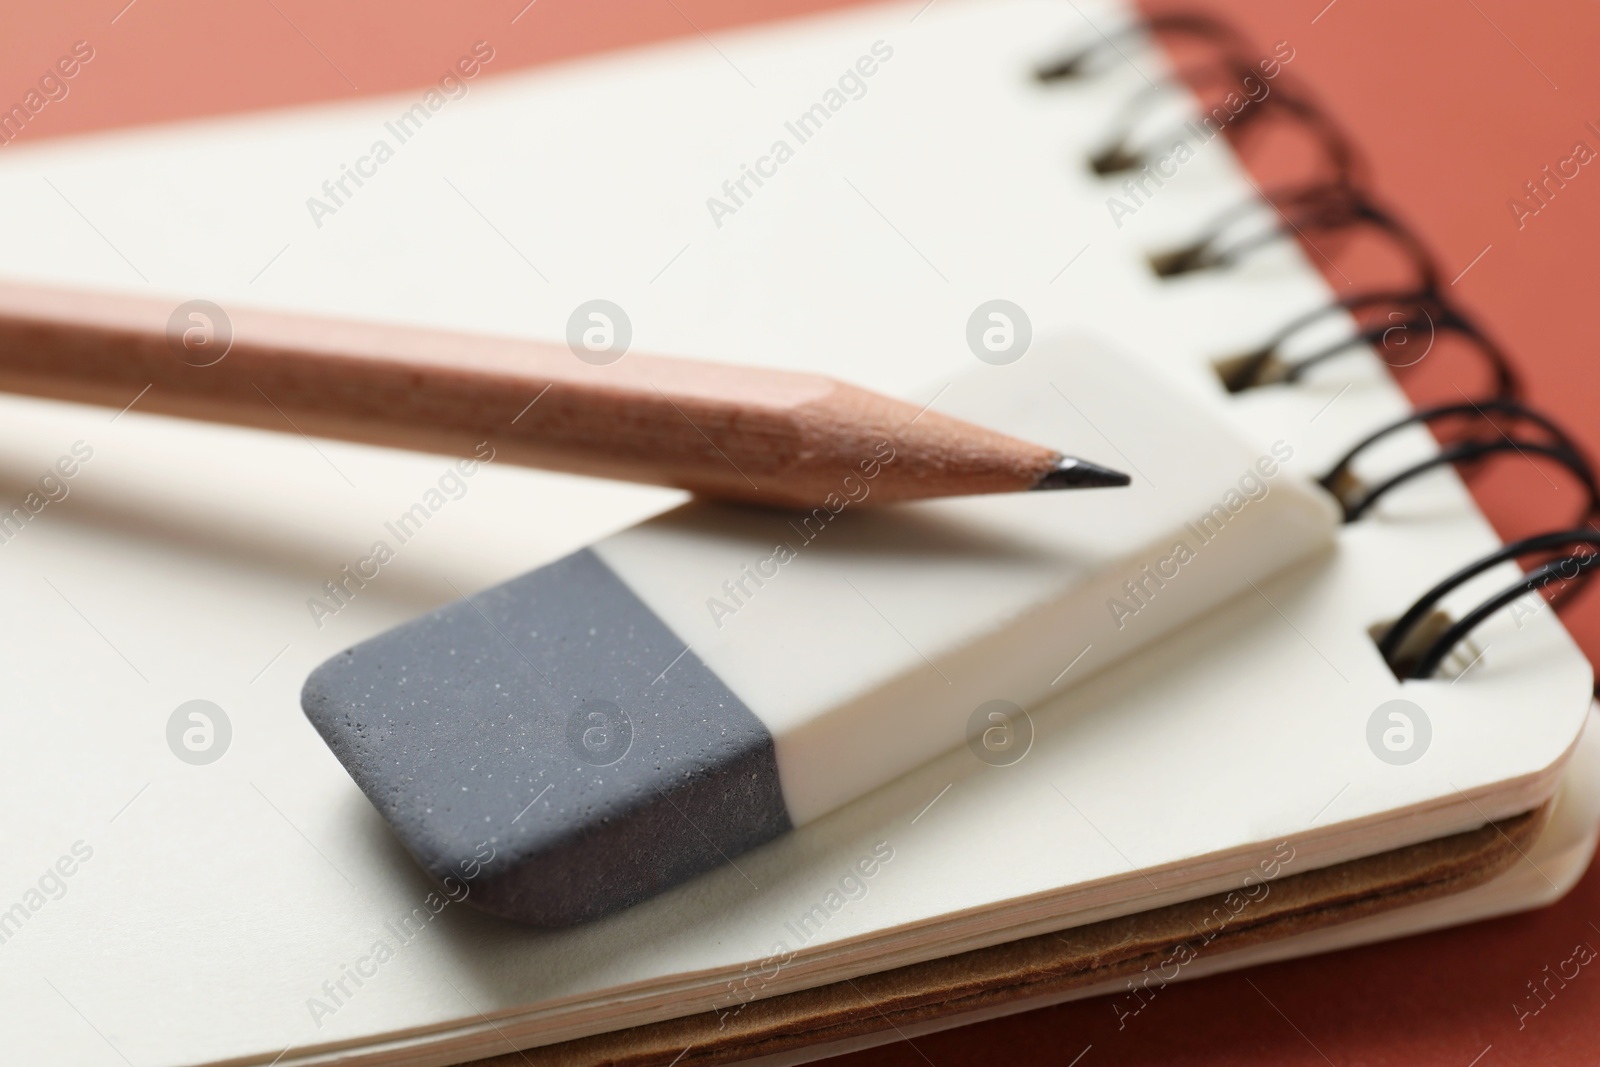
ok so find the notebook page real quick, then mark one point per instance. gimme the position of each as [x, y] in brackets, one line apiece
[1555, 863]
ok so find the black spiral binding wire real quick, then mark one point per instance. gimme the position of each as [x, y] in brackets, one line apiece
[1193, 25]
[1121, 155]
[1415, 644]
[1414, 309]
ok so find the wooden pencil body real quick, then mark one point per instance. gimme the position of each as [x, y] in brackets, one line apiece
[726, 431]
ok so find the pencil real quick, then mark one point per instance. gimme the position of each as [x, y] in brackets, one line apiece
[732, 432]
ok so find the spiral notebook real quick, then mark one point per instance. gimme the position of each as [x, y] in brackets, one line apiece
[1256, 747]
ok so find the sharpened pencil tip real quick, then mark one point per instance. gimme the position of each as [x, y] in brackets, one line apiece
[1070, 473]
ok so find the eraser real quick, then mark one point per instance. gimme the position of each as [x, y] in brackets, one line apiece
[491, 735]
[676, 694]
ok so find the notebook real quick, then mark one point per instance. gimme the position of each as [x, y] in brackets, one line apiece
[1533, 860]
[1096, 822]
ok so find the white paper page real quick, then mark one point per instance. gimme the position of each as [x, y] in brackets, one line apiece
[1548, 870]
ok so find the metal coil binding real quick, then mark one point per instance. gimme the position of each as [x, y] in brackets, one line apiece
[1339, 203]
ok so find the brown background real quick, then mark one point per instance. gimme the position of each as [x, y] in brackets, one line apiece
[1455, 103]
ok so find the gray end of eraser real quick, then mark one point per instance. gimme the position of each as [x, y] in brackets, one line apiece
[527, 742]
